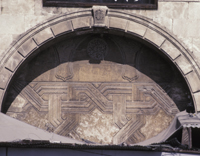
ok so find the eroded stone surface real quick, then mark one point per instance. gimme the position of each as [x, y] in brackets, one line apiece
[14, 7]
[12, 24]
[166, 22]
[187, 29]
[32, 20]
[196, 49]
[154, 37]
[97, 127]
[193, 10]
[153, 124]
[5, 41]
[110, 101]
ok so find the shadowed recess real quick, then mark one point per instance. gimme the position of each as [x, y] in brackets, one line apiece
[102, 88]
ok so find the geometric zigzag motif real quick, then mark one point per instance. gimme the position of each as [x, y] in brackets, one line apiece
[128, 103]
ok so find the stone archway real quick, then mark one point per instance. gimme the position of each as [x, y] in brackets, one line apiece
[98, 20]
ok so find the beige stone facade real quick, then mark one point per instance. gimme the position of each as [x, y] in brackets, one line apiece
[129, 112]
[179, 17]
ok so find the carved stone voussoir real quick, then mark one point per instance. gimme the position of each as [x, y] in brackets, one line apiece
[99, 15]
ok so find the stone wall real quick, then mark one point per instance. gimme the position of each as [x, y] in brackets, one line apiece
[181, 18]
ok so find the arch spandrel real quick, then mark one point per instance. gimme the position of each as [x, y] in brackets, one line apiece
[52, 31]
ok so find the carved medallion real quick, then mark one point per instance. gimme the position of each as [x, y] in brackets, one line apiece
[97, 49]
[99, 15]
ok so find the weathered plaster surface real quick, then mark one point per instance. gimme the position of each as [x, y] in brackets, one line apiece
[97, 127]
[153, 124]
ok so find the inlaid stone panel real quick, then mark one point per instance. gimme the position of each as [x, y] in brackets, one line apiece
[99, 88]
[92, 106]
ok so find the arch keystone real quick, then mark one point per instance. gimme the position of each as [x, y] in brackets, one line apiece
[99, 15]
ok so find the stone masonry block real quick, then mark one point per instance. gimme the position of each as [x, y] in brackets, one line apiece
[14, 7]
[197, 100]
[83, 22]
[32, 20]
[4, 77]
[184, 64]
[0, 6]
[166, 22]
[14, 61]
[186, 29]
[194, 81]
[117, 23]
[194, 10]
[27, 47]
[136, 28]
[196, 49]
[154, 37]
[43, 36]
[5, 41]
[170, 49]
[14, 24]
[171, 9]
[1, 96]
[62, 27]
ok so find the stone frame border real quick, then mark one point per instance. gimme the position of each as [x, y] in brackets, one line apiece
[112, 20]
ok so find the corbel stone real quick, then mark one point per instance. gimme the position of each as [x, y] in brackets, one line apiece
[100, 15]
